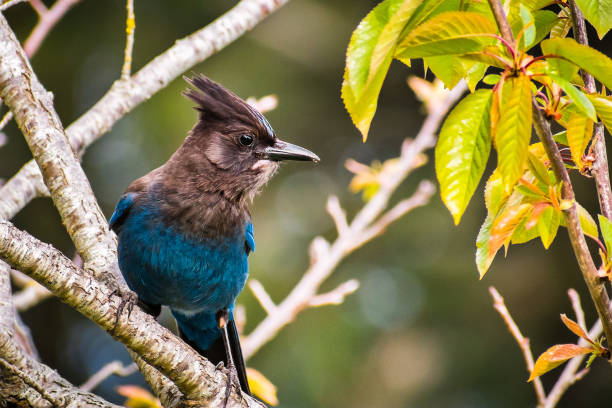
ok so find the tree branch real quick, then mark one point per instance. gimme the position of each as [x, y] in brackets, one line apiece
[596, 287]
[130, 26]
[523, 342]
[123, 96]
[325, 257]
[22, 377]
[70, 190]
[600, 165]
[48, 18]
[112, 368]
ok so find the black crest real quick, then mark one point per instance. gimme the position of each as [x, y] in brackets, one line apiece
[216, 103]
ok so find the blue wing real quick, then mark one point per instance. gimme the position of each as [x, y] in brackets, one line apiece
[121, 211]
[250, 238]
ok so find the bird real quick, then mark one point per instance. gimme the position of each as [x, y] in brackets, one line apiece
[184, 230]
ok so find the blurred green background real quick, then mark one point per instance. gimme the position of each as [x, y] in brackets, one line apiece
[421, 330]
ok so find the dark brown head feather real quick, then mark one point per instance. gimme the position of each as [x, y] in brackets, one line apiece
[218, 104]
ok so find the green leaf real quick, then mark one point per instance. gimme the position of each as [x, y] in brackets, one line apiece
[513, 130]
[579, 133]
[555, 356]
[578, 97]
[548, 224]
[587, 223]
[495, 194]
[598, 13]
[603, 107]
[587, 58]
[529, 32]
[531, 5]
[491, 79]
[446, 34]
[368, 57]
[544, 21]
[538, 169]
[448, 68]
[606, 232]
[561, 138]
[483, 256]
[373, 41]
[563, 24]
[462, 150]
[521, 234]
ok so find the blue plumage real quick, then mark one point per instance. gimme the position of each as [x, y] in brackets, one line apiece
[184, 230]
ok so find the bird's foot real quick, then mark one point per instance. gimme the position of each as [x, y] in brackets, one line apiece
[128, 300]
[232, 382]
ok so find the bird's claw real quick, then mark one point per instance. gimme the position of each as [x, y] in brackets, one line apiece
[232, 382]
[128, 300]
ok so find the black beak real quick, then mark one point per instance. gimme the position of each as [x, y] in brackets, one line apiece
[287, 151]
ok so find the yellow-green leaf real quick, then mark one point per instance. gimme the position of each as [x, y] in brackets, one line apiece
[456, 32]
[538, 169]
[587, 223]
[555, 356]
[587, 58]
[598, 13]
[369, 55]
[603, 107]
[261, 387]
[513, 131]
[579, 133]
[606, 232]
[495, 194]
[483, 256]
[462, 151]
[581, 101]
[562, 26]
[548, 224]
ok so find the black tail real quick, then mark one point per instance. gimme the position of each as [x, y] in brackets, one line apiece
[216, 353]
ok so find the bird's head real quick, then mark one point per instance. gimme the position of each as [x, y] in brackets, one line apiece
[236, 138]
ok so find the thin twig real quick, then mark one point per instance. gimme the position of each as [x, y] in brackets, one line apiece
[570, 375]
[6, 119]
[337, 214]
[577, 306]
[523, 342]
[264, 104]
[336, 296]
[262, 296]
[10, 3]
[112, 368]
[39, 7]
[130, 27]
[46, 22]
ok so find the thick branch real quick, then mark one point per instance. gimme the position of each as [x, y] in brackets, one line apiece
[22, 377]
[63, 175]
[600, 165]
[124, 96]
[596, 287]
[196, 377]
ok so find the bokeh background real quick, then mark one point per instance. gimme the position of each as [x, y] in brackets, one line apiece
[421, 330]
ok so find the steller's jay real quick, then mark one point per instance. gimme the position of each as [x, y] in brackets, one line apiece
[184, 229]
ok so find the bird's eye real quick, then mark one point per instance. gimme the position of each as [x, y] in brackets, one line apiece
[246, 140]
